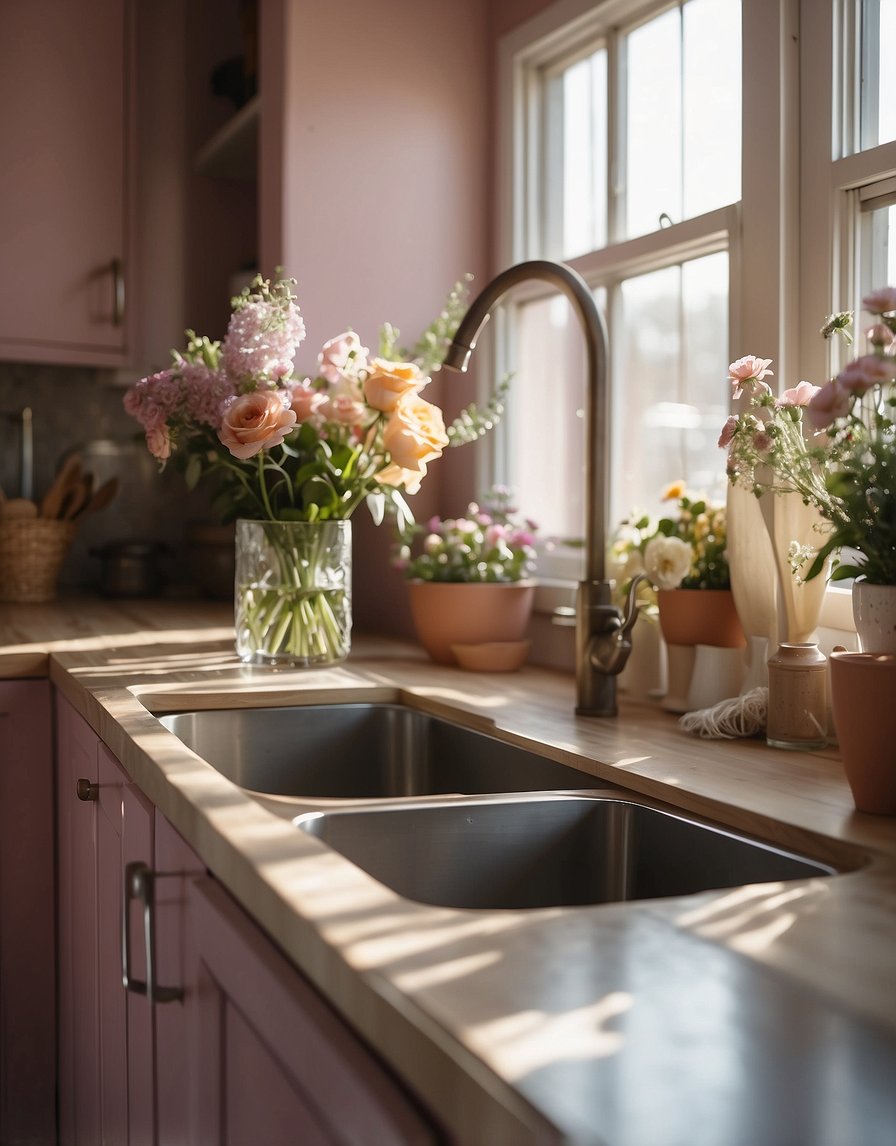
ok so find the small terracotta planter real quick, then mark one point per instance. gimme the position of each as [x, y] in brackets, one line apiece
[863, 686]
[452, 613]
[700, 617]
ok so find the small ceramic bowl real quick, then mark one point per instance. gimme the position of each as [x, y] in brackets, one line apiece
[492, 656]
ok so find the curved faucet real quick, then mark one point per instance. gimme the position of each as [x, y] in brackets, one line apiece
[603, 633]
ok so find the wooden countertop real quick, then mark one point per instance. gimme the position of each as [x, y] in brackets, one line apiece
[717, 1018]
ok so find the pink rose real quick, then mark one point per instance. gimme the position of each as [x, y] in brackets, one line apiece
[342, 356]
[304, 401]
[389, 381]
[800, 395]
[345, 410]
[881, 301]
[747, 373]
[158, 442]
[728, 430]
[831, 402]
[862, 373]
[255, 422]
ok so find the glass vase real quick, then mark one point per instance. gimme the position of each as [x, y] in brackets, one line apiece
[293, 592]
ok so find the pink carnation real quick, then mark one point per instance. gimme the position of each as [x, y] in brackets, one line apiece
[342, 357]
[882, 301]
[747, 374]
[831, 402]
[863, 373]
[800, 395]
[728, 430]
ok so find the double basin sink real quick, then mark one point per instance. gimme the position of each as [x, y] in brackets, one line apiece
[453, 817]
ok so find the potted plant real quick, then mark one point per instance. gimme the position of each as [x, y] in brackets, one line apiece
[833, 447]
[469, 577]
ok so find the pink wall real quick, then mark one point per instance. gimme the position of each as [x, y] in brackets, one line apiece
[385, 171]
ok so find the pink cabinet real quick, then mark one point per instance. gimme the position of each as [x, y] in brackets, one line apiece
[65, 126]
[277, 1064]
[105, 1035]
[27, 926]
[220, 1040]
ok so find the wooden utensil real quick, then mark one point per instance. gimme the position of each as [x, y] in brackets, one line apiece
[101, 498]
[67, 477]
[77, 497]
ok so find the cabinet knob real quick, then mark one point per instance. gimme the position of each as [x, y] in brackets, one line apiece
[87, 790]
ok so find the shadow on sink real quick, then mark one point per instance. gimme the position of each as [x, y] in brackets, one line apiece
[548, 851]
[363, 751]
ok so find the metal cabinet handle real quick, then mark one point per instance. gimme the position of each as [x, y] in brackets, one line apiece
[139, 883]
[118, 292]
[87, 790]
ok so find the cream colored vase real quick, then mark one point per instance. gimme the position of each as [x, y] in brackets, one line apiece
[874, 612]
[460, 613]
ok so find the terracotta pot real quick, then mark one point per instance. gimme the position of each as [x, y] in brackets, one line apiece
[874, 612]
[863, 686]
[448, 613]
[700, 617]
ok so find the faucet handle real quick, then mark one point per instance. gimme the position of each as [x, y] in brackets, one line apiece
[632, 608]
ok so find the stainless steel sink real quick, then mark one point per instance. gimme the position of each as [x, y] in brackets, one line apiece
[547, 851]
[362, 751]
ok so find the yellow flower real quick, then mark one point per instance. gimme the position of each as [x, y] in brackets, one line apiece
[674, 491]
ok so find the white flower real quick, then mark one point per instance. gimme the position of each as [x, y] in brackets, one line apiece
[667, 561]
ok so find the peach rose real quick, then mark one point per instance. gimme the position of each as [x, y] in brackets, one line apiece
[395, 475]
[387, 381]
[255, 422]
[414, 433]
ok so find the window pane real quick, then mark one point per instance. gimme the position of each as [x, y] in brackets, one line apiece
[878, 83]
[576, 158]
[712, 105]
[545, 416]
[672, 395]
[653, 136]
[683, 108]
[878, 251]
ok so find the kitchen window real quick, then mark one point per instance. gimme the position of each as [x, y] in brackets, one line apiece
[622, 127]
[625, 164]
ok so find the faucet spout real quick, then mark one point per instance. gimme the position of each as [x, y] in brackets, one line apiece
[601, 632]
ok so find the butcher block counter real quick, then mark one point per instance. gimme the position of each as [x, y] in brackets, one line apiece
[762, 1015]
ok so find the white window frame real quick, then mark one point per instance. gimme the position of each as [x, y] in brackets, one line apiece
[792, 255]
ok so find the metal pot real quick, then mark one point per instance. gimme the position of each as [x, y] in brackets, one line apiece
[130, 568]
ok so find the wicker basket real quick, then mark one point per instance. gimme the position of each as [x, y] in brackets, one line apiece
[32, 550]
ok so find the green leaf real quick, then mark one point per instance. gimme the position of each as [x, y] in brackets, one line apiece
[193, 471]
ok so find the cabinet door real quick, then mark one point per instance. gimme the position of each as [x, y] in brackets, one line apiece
[106, 1078]
[278, 1065]
[64, 126]
[27, 926]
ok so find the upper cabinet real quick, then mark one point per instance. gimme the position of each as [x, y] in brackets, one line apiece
[65, 111]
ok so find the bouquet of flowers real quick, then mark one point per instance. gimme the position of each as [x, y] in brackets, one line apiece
[283, 446]
[834, 445]
[681, 551]
[492, 543]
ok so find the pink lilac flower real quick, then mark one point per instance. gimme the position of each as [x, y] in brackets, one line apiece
[882, 301]
[831, 402]
[799, 395]
[203, 394]
[747, 374]
[261, 341]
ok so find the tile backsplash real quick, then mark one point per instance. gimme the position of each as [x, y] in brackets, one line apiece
[75, 408]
